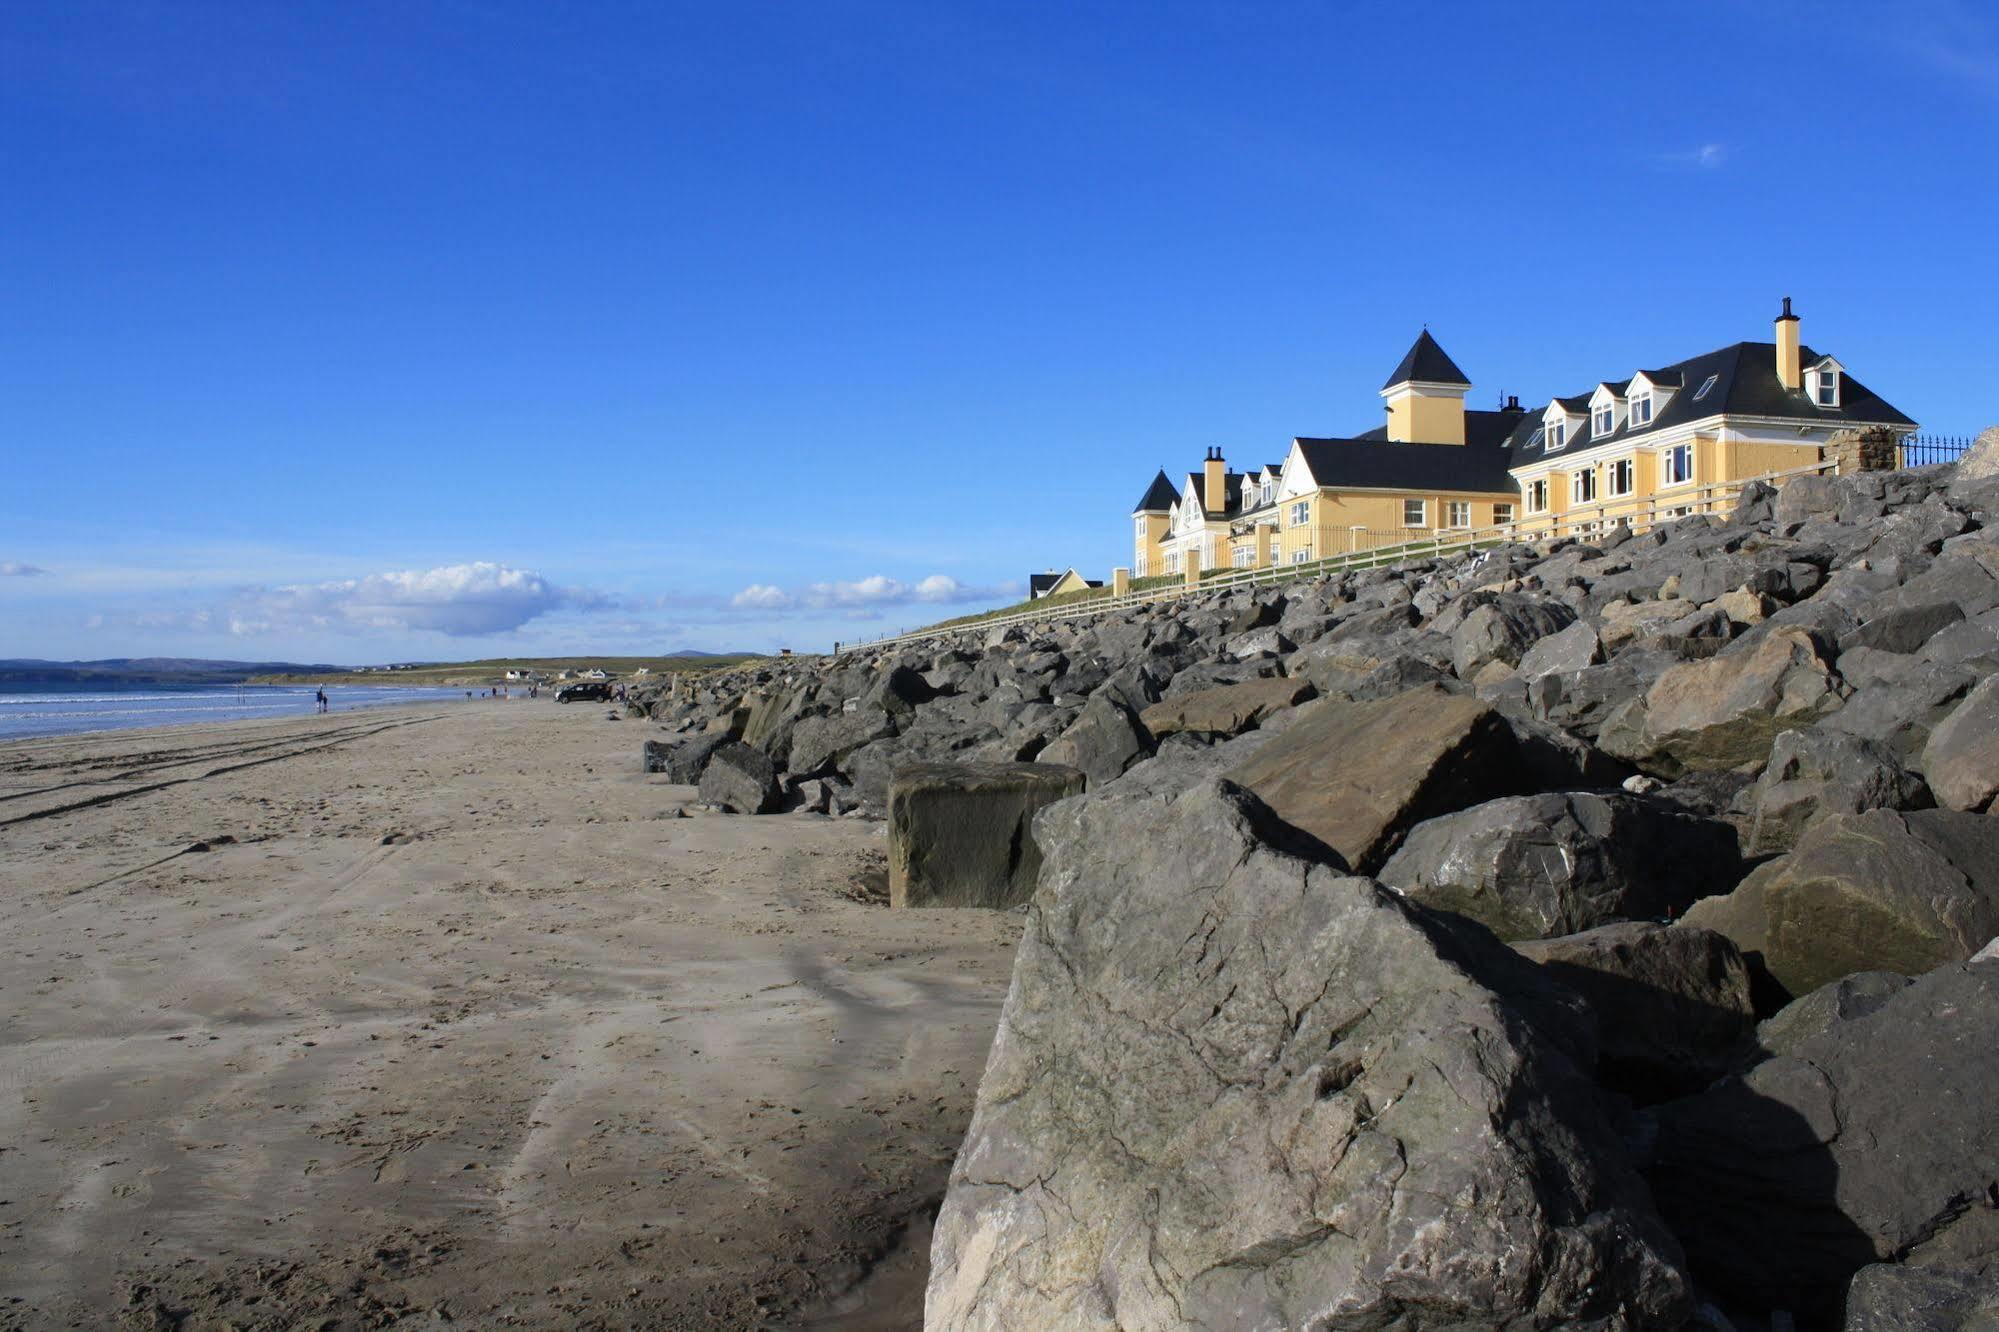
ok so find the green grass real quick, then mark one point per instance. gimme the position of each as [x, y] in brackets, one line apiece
[492, 670]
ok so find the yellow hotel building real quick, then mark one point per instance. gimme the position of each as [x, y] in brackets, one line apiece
[1747, 409]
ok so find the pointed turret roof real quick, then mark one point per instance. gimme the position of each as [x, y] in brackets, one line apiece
[1159, 496]
[1427, 362]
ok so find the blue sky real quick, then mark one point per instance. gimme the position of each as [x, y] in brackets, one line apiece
[371, 331]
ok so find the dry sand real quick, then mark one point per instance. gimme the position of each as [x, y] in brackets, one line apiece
[465, 1025]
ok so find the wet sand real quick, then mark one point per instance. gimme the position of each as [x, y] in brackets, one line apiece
[464, 1025]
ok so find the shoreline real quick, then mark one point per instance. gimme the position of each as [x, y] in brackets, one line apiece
[455, 1013]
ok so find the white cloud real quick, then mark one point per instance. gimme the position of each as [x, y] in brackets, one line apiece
[762, 596]
[1705, 157]
[866, 594]
[16, 569]
[457, 600]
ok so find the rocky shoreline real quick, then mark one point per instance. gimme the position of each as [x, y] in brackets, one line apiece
[1592, 933]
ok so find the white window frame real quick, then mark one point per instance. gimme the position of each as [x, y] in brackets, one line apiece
[1242, 557]
[1629, 468]
[1638, 412]
[1269, 491]
[1422, 513]
[1535, 496]
[1457, 513]
[1580, 481]
[1301, 513]
[1558, 436]
[1604, 421]
[1502, 514]
[1677, 465]
[1825, 392]
[1173, 562]
[1302, 555]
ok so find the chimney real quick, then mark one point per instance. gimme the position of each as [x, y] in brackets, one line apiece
[1513, 403]
[1216, 483]
[1789, 373]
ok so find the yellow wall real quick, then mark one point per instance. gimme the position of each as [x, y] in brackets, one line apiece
[1069, 582]
[1425, 420]
[1714, 462]
[1148, 555]
[1336, 513]
[1745, 458]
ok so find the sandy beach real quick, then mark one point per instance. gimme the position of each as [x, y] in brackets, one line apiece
[456, 1019]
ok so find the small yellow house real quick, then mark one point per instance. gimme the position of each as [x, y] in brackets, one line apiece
[1052, 584]
[1436, 466]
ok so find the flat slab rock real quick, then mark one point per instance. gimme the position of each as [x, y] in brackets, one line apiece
[960, 834]
[1357, 775]
[1234, 1088]
[1226, 709]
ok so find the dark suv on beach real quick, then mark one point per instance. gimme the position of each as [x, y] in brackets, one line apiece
[584, 693]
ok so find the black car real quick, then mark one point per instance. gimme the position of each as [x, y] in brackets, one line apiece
[589, 690]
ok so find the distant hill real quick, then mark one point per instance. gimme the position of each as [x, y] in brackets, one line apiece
[492, 670]
[22, 672]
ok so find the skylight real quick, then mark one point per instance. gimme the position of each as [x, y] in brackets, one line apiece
[1706, 384]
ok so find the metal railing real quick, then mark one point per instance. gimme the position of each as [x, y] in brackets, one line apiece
[1928, 450]
[1596, 519]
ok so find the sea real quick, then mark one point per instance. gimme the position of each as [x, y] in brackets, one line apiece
[43, 712]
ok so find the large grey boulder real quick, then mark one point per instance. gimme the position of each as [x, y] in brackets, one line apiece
[1961, 757]
[960, 834]
[1814, 774]
[740, 779]
[1105, 739]
[1855, 1147]
[1672, 1002]
[1888, 1297]
[1232, 1088]
[1225, 710]
[1537, 866]
[1571, 649]
[820, 744]
[1879, 891]
[1357, 776]
[1817, 1013]
[1904, 628]
[1503, 628]
[1729, 709]
[1979, 465]
[684, 762]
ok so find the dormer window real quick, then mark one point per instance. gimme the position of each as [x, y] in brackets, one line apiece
[1558, 435]
[1269, 491]
[1605, 421]
[1822, 383]
[1641, 410]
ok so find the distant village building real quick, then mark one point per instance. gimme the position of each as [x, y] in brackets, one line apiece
[1052, 584]
[1748, 409]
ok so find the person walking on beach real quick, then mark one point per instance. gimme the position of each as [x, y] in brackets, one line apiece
[320, 695]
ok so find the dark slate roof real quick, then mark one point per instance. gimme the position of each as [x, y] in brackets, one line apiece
[1746, 384]
[1427, 362]
[1159, 496]
[1371, 461]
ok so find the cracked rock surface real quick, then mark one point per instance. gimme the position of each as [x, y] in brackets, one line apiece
[1234, 1087]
